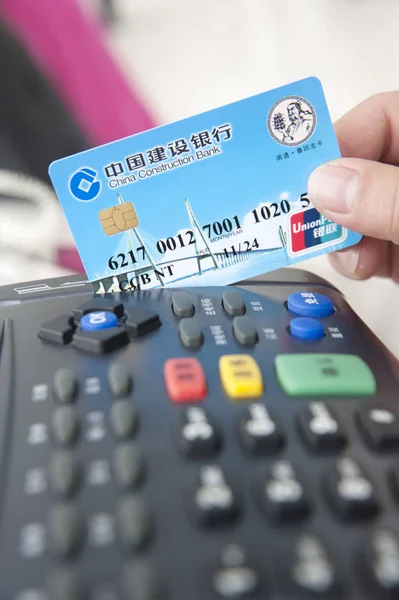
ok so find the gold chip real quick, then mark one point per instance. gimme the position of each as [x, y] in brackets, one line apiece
[118, 218]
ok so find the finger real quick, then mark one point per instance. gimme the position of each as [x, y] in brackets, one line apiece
[361, 195]
[393, 263]
[364, 260]
[371, 129]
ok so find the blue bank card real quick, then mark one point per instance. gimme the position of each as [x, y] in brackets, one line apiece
[209, 200]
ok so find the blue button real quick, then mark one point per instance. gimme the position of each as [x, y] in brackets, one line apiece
[306, 328]
[98, 320]
[309, 304]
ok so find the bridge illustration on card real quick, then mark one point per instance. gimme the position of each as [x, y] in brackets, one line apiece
[123, 219]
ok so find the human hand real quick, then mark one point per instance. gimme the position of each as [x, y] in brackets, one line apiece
[361, 190]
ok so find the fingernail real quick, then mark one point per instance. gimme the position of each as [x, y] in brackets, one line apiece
[347, 261]
[333, 187]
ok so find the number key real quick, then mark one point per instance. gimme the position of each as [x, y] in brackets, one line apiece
[214, 502]
[349, 491]
[258, 431]
[282, 494]
[320, 428]
[196, 434]
[379, 426]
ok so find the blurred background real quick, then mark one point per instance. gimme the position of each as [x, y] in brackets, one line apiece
[78, 73]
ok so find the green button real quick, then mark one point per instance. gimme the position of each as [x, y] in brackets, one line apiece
[324, 375]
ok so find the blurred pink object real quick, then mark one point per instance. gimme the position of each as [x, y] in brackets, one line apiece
[69, 258]
[69, 48]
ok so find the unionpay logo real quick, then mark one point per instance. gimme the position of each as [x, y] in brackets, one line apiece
[84, 184]
[309, 230]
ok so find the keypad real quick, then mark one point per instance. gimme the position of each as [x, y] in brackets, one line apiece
[233, 303]
[119, 380]
[58, 330]
[65, 385]
[350, 491]
[214, 502]
[142, 581]
[182, 304]
[259, 432]
[379, 567]
[135, 522]
[196, 434]
[140, 321]
[101, 341]
[94, 321]
[282, 494]
[191, 334]
[245, 331]
[129, 466]
[306, 328]
[185, 379]
[97, 304]
[216, 429]
[320, 428]
[310, 568]
[235, 575]
[98, 327]
[66, 529]
[379, 426]
[235, 582]
[124, 419]
[324, 375]
[64, 584]
[240, 376]
[310, 304]
[65, 473]
[65, 425]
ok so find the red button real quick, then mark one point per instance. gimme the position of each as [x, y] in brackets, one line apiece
[184, 379]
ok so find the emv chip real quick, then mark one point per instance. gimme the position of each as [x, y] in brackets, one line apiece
[118, 218]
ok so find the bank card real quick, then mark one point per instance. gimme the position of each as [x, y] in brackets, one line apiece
[210, 200]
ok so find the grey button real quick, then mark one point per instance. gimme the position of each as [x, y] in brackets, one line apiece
[128, 466]
[64, 584]
[119, 380]
[141, 581]
[134, 522]
[66, 530]
[312, 570]
[236, 582]
[245, 331]
[182, 304]
[65, 473]
[233, 303]
[65, 425]
[235, 577]
[190, 333]
[124, 419]
[65, 385]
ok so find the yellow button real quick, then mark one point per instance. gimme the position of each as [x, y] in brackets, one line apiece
[241, 376]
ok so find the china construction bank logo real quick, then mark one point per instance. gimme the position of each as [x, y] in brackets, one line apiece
[291, 120]
[84, 184]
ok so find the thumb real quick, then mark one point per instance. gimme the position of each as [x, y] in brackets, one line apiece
[361, 195]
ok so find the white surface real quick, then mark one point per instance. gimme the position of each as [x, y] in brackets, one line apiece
[187, 56]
